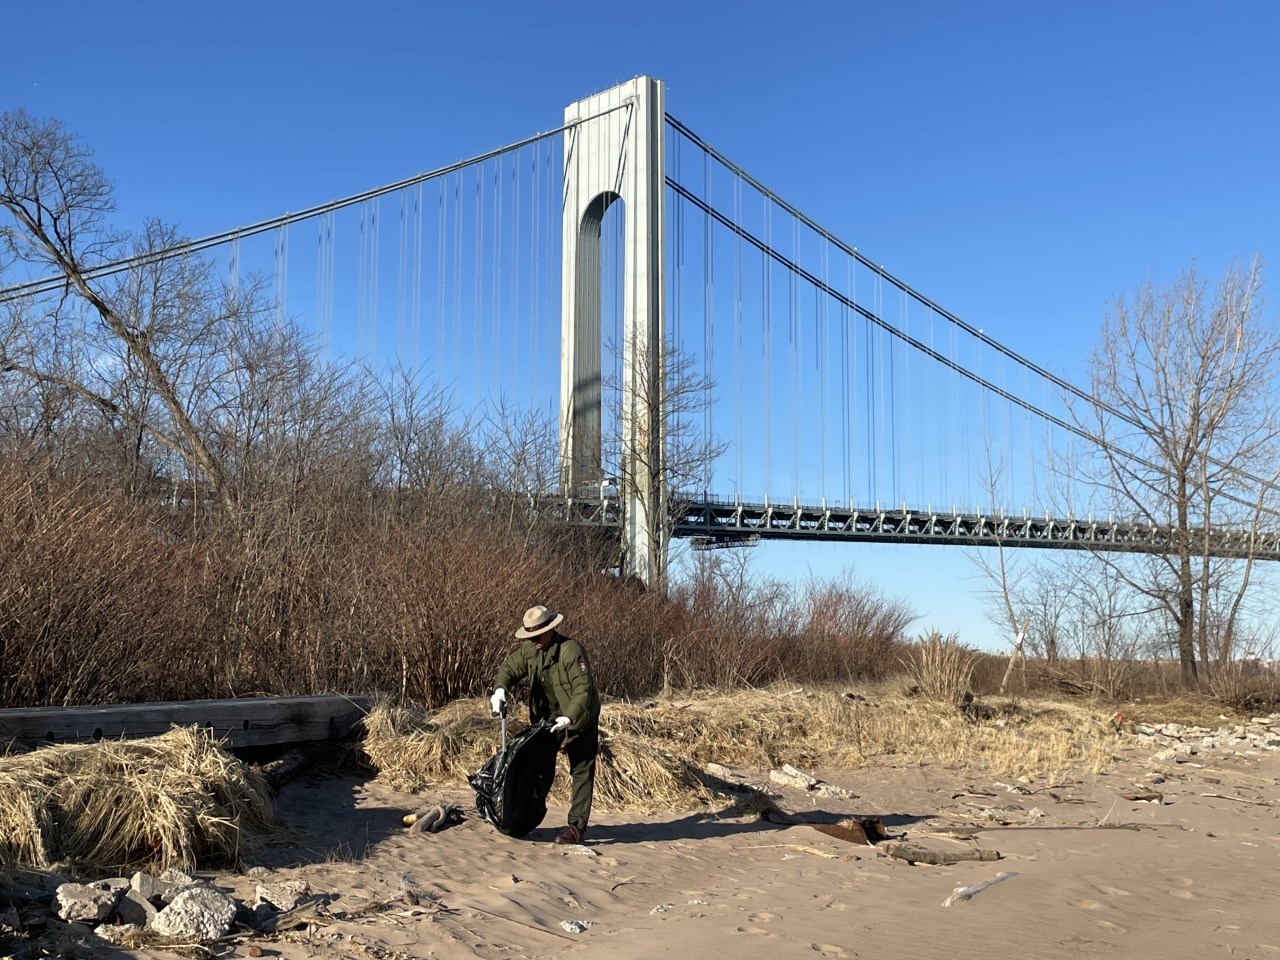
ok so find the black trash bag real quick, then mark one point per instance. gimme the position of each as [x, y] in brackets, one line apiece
[511, 789]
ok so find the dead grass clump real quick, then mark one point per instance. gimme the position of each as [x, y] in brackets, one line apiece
[651, 758]
[172, 800]
[412, 751]
[942, 668]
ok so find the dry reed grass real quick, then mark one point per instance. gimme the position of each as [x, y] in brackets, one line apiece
[942, 668]
[413, 752]
[172, 800]
[652, 758]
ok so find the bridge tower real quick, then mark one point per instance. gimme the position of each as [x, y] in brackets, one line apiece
[615, 153]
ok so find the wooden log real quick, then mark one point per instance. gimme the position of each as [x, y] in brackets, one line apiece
[246, 722]
[914, 853]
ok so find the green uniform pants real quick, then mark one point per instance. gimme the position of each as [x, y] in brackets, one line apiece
[582, 748]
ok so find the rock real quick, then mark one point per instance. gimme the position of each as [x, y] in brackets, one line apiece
[660, 908]
[789, 776]
[135, 909]
[259, 872]
[799, 774]
[199, 912]
[152, 890]
[118, 934]
[831, 790]
[576, 926]
[89, 902]
[284, 895]
[721, 771]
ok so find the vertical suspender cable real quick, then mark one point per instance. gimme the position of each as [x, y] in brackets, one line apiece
[844, 399]
[766, 283]
[516, 326]
[820, 339]
[417, 276]
[477, 306]
[794, 312]
[442, 233]
[402, 274]
[738, 439]
[708, 323]
[362, 281]
[498, 343]
[459, 214]
[375, 258]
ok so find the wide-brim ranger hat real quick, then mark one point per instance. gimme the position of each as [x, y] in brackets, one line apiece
[538, 620]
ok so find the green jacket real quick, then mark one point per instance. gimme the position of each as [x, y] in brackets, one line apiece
[563, 673]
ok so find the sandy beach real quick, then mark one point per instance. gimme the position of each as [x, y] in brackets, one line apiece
[1093, 874]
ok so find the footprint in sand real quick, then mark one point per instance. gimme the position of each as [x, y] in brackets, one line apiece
[762, 917]
[828, 950]
[1113, 927]
[753, 930]
[1085, 904]
[1114, 891]
[1182, 894]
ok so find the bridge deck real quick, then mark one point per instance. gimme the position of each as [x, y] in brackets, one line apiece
[710, 523]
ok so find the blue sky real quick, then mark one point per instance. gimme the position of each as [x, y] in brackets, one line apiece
[1022, 164]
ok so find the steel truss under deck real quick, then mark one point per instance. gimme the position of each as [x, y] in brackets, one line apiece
[711, 523]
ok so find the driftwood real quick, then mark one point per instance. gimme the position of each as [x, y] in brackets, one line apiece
[914, 853]
[960, 894]
[1223, 796]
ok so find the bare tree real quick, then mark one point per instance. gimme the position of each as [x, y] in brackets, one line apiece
[681, 463]
[152, 336]
[1185, 413]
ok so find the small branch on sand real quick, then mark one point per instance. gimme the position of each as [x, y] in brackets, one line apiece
[960, 894]
[624, 880]
[1223, 796]
[795, 846]
[914, 853]
[498, 916]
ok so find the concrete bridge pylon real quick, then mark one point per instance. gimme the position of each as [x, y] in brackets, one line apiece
[615, 152]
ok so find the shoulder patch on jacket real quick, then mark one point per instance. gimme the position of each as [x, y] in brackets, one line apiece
[582, 664]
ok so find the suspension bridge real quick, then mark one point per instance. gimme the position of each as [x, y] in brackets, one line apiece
[721, 367]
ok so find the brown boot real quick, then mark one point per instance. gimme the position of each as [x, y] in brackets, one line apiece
[570, 834]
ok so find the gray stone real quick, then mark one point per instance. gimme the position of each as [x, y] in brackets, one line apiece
[149, 888]
[576, 926]
[259, 872]
[199, 912]
[134, 908]
[830, 790]
[284, 895]
[90, 902]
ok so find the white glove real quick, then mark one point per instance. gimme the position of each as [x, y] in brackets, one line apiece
[497, 701]
[562, 723]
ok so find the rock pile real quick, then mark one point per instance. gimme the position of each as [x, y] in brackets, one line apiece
[1176, 741]
[171, 906]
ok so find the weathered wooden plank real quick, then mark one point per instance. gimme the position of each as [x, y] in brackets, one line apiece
[247, 722]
